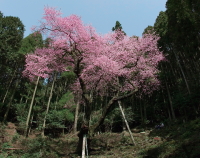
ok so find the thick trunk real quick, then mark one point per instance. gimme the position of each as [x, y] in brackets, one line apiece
[48, 105]
[89, 130]
[30, 108]
[101, 119]
[81, 143]
[105, 111]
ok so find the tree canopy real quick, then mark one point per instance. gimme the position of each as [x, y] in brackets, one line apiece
[104, 65]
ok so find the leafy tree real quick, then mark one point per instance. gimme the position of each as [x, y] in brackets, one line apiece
[30, 43]
[11, 34]
[148, 29]
[103, 65]
[183, 23]
[118, 27]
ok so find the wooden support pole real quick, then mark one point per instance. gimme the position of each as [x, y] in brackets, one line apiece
[119, 102]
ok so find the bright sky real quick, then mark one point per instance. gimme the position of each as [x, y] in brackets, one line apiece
[134, 15]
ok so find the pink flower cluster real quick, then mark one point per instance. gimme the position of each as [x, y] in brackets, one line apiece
[106, 63]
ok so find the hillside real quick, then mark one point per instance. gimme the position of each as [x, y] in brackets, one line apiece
[174, 141]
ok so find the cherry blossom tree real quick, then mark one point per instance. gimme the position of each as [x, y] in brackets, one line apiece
[43, 62]
[111, 65]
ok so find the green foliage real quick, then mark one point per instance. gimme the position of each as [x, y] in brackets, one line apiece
[148, 30]
[15, 138]
[57, 119]
[180, 140]
[38, 148]
[11, 29]
[183, 23]
[114, 118]
[69, 75]
[118, 26]
[67, 100]
[21, 112]
[11, 34]
[30, 43]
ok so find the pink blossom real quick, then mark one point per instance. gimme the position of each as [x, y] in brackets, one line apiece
[105, 63]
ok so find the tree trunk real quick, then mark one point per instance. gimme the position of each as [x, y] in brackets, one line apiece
[170, 102]
[30, 108]
[10, 102]
[187, 85]
[106, 109]
[123, 123]
[21, 99]
[29, 129]
[4, 98]
[141, 113]
[76, 116]
[168, 110]
[48, 105]
[83, 146]
[145, 112]
[119, 102]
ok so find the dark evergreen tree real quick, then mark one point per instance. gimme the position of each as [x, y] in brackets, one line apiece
[118, 27]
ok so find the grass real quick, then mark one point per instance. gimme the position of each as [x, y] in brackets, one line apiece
[181, 140]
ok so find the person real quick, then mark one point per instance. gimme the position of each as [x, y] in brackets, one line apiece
[159, 126]
[162, 125]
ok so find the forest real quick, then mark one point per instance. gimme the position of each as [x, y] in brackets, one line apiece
[67, 91]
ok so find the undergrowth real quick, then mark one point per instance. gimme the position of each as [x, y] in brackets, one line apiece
[180, 140]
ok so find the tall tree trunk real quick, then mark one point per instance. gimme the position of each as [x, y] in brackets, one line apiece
[141, 113]
[76, 117]
[30, 108]
[4, 98]
[83, 146]
[177, 59]
[170, 102]
[10, 102]
[48, 105]
[168, 110]
[21, 99]
[56, 103]
[123, 122]
[119, 102]
[145, 113]
[31, 121]
[106, 109]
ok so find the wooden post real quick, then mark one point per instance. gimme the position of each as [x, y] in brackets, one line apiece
[119, 102]
[83, 146]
